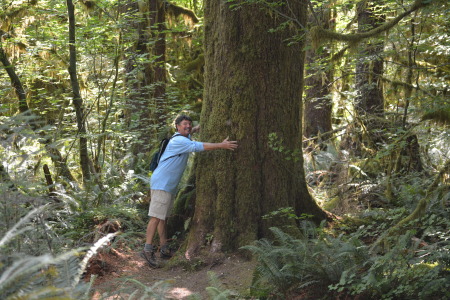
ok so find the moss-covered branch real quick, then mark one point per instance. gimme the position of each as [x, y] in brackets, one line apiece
[439, 116]
[176, 10]
[320, 35]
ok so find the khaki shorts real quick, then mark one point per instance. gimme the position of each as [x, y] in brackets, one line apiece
[161, 204]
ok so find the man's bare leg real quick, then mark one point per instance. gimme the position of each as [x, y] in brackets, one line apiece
[162, 232]
[149, 249]
[151, 229]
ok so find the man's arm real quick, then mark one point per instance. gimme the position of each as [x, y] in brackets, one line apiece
[226, 144]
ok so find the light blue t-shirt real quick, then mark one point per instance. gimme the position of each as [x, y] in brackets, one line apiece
[173, 163]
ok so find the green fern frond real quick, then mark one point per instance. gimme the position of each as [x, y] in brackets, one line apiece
[217, 291]
[16, 230]
[217, 294]
[43, 275]
[157, 291]
[291, 263]
[89, 254]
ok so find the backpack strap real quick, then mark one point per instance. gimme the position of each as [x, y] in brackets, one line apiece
[175, 135]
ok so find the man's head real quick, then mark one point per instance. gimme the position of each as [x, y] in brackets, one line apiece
[183, 125]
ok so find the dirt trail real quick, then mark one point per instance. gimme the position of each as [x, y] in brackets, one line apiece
[114, 268]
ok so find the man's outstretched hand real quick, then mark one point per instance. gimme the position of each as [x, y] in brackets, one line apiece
[229, 145]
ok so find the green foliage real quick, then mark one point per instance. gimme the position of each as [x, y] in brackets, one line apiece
[43, 276]
[375, 222]
[34, 35]
[286, 212]
[83, 226]
[138, 290]
[404, 272]
[277, 144]
[29, 225]
[416, 265]
[217, 291]
[288, 264]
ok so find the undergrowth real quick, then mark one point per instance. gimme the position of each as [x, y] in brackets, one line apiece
[415, 266]
[46, 242]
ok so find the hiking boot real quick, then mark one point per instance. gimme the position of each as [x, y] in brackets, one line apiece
[150, 257]
[165, 252]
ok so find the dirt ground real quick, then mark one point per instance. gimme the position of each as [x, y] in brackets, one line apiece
[120, 273]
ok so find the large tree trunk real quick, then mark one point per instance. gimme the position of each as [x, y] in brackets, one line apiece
[253, 87]
[77, 100]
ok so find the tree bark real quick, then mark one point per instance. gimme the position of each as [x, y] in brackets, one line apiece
[49, 180]
[253, 88]
[77, 100]
[146, 73]
[318, 101]
[62, 169]
[157, 19]
[15, 81]
[369, 67]
[5, 178]
[409, 72]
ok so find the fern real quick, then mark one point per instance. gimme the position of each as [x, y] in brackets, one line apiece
[289, 263]
[16, 230]
[158, 291]
[41, 275]
[45, 276]
[217, 291]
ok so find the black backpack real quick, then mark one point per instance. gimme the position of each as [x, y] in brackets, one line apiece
[157, 156]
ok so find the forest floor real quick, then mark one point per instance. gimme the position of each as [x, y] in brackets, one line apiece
[120, 272]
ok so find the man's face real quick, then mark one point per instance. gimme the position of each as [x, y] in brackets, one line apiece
[185, 127]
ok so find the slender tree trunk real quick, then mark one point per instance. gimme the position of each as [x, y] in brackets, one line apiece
[137, 78]
[55, 155]
[409, 71]
[77, 100]
[145, 73]
[369, 67]
[59, 162]
[318, 105]
[408, 159]
[15, 81]
[158, 75]
[5, 178]
[101, 140]
[253, 88]
[364, 139]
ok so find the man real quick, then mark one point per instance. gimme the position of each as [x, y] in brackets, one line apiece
[165, 179]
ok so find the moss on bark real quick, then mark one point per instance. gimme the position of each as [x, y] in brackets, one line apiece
[253, 87]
